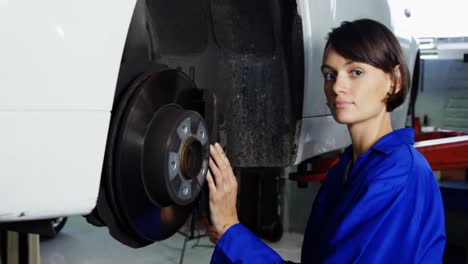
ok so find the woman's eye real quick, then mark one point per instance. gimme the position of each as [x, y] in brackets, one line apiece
[329, 76]
[356, 73]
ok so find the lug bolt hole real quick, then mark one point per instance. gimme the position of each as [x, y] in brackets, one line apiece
[185, 190]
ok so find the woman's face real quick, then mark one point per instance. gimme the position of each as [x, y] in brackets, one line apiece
[355, 91]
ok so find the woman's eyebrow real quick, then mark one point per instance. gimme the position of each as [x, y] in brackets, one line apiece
[325, 66]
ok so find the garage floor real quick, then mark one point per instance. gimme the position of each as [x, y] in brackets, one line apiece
[82, 243]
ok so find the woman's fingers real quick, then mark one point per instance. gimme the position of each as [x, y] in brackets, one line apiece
[217, 156]
[216, 173]
[214, 168]
[211, 183]
[217, 166]
[228, 169]
[220, 167]
[223, 156]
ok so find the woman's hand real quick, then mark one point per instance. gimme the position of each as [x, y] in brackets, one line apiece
[212, 234]
[210, 230]
[223, 191]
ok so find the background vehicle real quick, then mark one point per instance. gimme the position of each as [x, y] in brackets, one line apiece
[111, 105]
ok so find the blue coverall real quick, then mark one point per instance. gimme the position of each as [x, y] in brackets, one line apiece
[388, 210]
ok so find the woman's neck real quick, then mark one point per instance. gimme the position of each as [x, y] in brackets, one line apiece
[366, 133]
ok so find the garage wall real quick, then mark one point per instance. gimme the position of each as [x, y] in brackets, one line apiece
[443, 94]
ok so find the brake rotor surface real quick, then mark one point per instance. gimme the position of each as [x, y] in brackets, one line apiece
[141, 210]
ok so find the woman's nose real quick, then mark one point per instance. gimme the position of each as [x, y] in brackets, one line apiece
[340, 85]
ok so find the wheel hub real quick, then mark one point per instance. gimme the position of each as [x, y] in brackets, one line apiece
[177, 138]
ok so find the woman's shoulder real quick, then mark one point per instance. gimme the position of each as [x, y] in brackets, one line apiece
[400, 164]
[391, 166]
[408, 156]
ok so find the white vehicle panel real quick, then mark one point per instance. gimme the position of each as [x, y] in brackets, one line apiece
[61, 54]
[60, 62]
[318, 138]
[51, 162]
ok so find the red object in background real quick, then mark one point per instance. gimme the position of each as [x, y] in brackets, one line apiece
[308, 177]
[444, 156]
[318, 172]
[436, 134]
[416, 124]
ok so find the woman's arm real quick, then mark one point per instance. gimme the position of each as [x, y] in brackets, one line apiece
[237, 243]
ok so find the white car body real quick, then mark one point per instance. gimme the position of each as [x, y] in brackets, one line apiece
[59, 66]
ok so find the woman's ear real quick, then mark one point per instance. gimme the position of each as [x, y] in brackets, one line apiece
[396, 80]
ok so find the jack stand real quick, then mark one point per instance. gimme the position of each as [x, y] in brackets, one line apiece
[191, 235]
[19, 248]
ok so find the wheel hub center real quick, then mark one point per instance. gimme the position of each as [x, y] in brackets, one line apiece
[190, 158]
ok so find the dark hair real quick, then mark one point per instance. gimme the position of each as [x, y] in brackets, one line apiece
[370, 42]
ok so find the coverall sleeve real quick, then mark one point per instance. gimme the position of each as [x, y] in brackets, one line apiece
[239, 245]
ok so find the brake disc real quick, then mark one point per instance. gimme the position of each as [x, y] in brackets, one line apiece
[156, 161]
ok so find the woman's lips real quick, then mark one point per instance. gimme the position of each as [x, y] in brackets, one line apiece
[343, 104]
